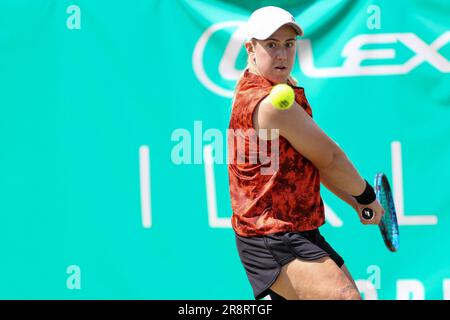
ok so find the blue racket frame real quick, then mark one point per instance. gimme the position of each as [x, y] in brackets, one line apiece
[388, 224]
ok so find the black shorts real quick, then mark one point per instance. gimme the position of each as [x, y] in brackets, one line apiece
[263, 256]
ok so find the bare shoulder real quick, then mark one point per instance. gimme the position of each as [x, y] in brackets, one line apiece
[266, 116]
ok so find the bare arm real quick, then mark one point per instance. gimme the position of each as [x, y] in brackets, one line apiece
[339, 193]
[307, 138]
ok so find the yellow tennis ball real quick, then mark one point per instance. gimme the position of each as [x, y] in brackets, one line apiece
[282, 96]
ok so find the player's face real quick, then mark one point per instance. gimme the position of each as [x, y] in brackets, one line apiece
[275, 56]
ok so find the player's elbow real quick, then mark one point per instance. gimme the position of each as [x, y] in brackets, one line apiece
[324, 162]
[328, 160]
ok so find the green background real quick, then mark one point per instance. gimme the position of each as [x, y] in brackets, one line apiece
[76, 105]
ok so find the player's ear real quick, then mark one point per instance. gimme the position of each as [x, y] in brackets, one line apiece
[250, 47]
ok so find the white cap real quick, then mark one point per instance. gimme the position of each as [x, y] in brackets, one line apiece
[265, 21]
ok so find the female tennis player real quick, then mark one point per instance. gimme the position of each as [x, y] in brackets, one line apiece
[276, 216]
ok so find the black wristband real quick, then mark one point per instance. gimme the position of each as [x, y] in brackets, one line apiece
[368, 195]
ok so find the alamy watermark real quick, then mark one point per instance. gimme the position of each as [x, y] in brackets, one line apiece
[73, 281]
[255, 147]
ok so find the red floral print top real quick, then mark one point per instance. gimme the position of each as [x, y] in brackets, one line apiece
[284, 199]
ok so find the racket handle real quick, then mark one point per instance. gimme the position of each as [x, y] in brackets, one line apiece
[367, 214]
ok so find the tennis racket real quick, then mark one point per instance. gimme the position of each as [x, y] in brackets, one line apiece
[388, 223]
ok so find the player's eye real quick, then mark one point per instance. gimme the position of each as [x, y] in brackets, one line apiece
[271, 45]
[289, 44]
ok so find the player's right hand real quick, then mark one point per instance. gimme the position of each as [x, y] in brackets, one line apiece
[377, 209]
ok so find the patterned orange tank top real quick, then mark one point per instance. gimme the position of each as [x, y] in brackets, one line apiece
[263, 202]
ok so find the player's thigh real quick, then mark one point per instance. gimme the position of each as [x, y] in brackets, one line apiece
[316, 279]
[348, 275]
